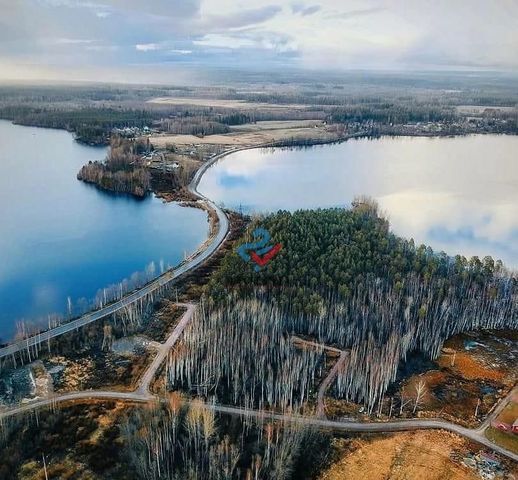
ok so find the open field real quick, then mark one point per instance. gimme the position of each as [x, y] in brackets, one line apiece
[254, 134]
[506, 440]
[277, 125]
[219, 103]
[472, 367]
[415, 455]
[508, 416]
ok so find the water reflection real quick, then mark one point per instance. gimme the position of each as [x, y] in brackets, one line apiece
[60, 237]
[459, 194]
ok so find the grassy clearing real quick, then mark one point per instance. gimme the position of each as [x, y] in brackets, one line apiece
[506, 440]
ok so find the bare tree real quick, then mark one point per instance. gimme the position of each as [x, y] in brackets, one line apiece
[420, 392]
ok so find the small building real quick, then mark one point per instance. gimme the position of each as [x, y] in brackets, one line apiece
[503, 426]
[514, 428]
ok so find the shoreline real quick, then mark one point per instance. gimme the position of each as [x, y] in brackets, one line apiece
[214, 214]
[210, 246]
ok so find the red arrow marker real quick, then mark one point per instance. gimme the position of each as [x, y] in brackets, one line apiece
[262, 261]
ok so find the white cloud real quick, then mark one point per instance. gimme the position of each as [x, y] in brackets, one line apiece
[102, 48]
[71, 41]
[313, 34]
[147, 47]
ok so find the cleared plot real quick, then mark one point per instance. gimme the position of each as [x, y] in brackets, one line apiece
[248, 138]
[473, 369]
[504, 439]
[221, 103]
[507, 440]
[412, 455]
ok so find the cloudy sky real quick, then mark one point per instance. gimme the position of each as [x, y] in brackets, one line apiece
[149, 40]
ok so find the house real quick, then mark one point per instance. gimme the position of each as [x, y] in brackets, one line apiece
[503, 426]
[514, 427]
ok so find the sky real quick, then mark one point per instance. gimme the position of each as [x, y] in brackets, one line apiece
[157, 40]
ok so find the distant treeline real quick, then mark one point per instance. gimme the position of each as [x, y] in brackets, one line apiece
[122, 171]
[90, 125]
[391, 113]
[92, 112]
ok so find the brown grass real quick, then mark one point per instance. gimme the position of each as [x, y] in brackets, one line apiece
[249, 138]
[409, 456]
[469, 368]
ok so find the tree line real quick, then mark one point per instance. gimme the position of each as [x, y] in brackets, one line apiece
[181, 441]
[92, 125]
[344, 279]
[123, 171]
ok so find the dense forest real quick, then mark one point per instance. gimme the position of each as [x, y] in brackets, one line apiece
[90, 125]
[344, 279]
[335, 250]
[245, 359]
[123, 170]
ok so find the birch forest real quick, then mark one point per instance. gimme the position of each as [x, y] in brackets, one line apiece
[375, 296]
[181, 441]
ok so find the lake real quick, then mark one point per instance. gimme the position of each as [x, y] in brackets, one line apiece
[459, 195]
[62, 238]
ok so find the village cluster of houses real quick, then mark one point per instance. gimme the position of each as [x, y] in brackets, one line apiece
[131, 132]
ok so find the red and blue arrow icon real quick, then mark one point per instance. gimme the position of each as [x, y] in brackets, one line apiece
[261, 253]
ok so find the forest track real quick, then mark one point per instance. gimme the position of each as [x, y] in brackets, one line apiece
[335, 425]
[142, 395]
[164, 349]
[326, 383]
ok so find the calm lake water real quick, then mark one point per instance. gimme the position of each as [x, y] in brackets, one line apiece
[60, 237]
[459, 194]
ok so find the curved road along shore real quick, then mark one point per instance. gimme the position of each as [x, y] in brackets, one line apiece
[143, 395]
[173, 274]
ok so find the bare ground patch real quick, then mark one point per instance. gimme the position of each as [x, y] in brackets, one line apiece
[434, 455]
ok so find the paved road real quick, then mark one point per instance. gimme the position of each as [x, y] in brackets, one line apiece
[142, 394]
[173, 274]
